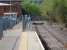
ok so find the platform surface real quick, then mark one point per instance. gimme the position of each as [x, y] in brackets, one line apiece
[29, 40]
[11, 38]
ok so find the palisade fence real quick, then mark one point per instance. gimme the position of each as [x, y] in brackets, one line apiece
[26, 21]
[1, 27]
[6, 22]
[23, 23]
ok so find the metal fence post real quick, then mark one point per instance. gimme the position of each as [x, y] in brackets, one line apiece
[1, 27]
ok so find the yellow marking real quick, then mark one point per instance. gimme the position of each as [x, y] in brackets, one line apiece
[23, 41]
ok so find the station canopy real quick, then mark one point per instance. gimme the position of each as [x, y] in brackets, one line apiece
[10, 13]
[5, 4]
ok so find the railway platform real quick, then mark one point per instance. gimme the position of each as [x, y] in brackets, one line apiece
[16, 39]
[10, 37]
[30, 41]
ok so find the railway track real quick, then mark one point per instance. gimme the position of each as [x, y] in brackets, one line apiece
[42, 32]
[43, 42]
[53, 35]
[59, 35]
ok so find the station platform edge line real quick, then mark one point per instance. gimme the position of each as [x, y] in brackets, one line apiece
[23, 45]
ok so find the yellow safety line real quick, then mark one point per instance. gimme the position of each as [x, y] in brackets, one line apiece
[23, 41]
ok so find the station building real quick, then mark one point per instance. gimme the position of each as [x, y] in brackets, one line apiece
[7, 6]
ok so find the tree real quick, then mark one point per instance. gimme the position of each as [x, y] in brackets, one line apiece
[55, 10]
[47, 9]
[31, 8]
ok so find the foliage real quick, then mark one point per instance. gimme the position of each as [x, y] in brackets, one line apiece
[55, 10]
[31, 8]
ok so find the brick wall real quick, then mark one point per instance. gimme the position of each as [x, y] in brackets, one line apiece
[1, 11]
[13, 8]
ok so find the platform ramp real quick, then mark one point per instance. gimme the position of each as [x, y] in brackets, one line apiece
[29, 40]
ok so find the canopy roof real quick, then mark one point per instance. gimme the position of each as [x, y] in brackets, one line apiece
[4, 4]
[10, 0]
[10, 13]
